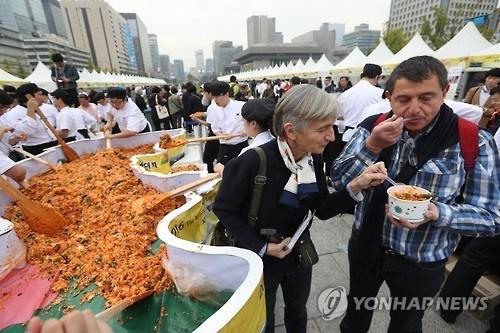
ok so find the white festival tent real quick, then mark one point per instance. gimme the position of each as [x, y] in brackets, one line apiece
[309, 66]
[85, 78]
[492, 50]
[465, 43]
[323, 66]
[41, 76]
[380, 54]
[355, 59]
[282, 70]
[274, 72]
[289, 69]
[298, 68]
[6, 77]
[415, 47]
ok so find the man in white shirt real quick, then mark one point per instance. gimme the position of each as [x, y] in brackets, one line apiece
[7, 166]
[66, 120]
[227, 121]
[356, 99]
[261, 87]
[125, 114]
[39, 137]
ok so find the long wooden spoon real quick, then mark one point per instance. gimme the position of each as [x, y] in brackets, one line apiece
[67, 150]
[34, 157]
[141, 205]
[108, 140]
[40, 218]
[166, 139]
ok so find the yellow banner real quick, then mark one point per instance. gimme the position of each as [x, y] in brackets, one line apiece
[190, 225]
[158, 162]
[197, 224]
[252, 316]
[487, 61]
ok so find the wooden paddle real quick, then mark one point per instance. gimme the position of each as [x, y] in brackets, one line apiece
[166, 139]
[108, 140]
[122, 305]
[141, 205]
[36, 158]
[40, 218]
[208, 138]
[68, 151]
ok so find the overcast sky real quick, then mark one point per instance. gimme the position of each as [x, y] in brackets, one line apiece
[187, 25]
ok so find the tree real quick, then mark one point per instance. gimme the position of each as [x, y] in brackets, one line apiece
[395, 39]
[7, 66]
[486, 32]
[21, 72]
[435, 32]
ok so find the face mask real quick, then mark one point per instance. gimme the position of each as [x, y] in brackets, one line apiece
[205, 101]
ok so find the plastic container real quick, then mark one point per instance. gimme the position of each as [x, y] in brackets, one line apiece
[12, 249]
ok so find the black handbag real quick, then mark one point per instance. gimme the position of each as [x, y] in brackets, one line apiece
[306, 252]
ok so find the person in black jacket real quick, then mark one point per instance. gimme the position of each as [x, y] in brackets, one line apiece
[155, 99]
[295, 184]
[192, 104]
[139, 100]
[65, 76]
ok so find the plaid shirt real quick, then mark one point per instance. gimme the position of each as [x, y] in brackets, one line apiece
[443, 176]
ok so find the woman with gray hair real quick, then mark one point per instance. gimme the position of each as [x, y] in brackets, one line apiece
[295, 184]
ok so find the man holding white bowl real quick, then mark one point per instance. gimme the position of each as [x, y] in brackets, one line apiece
[419, 143]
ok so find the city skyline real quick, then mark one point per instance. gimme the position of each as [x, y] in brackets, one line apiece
[180, 41]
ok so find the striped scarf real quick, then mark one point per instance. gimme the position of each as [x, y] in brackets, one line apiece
[302, 182]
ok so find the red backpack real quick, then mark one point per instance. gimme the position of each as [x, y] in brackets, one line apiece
[468, 137]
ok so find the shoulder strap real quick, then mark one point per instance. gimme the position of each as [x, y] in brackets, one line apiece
[468, 135]
[259, 182]
[381, 118]
[475, 92]
[372, 121]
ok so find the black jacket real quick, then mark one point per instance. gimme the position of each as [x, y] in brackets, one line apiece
[70, 72]
[233, 200]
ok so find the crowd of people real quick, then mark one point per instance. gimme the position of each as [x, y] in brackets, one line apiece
[307, 138]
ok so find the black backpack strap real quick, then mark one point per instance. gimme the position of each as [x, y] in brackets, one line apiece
[259, 182]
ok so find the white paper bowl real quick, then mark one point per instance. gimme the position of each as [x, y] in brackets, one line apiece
[413, 211]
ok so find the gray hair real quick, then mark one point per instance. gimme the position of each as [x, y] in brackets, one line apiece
[300, 105]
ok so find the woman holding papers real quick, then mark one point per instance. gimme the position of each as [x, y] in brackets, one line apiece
[294, 185]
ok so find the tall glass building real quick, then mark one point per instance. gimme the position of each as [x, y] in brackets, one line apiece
[25, 16]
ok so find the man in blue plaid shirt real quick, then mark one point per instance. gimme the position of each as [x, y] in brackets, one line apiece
[419, 145]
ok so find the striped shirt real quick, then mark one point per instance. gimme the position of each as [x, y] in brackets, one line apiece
[443, 176]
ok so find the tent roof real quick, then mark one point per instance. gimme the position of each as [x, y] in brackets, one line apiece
[466, 42]
[323, 65]
[42, 77]
[354, 59]
[492, 50]
[9, 78]
[415, 47]
[380, 54]
[309, 65]
[298, 68]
